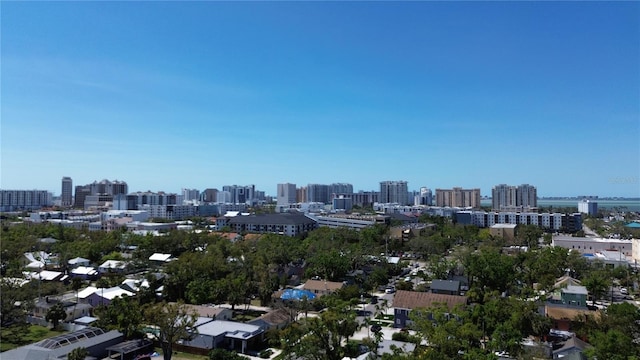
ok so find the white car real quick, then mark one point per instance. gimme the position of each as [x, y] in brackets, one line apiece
[624, 291]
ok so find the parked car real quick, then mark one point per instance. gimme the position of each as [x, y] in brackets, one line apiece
[376, 328]
[390, 290]
[624, 291]
[374, 299]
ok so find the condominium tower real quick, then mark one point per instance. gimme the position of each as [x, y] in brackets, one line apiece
[458, 197]
[394, 192]
[514, 198]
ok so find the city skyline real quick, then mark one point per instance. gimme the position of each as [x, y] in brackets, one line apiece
[167, 95]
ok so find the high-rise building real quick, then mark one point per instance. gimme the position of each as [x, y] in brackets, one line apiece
[425, 197]
[318, 193]
[190, 194]
[588, 207]
[241, 194]
[301, 194]
[67, 192]
[394, 192]
[104, 189]
[337, 189]
[513, 198]
[286, 194]
[458, 197]
[209, 195]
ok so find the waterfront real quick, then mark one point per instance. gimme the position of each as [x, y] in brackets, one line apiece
[629, 205]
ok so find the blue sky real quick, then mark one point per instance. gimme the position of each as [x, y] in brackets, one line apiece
[166, 95]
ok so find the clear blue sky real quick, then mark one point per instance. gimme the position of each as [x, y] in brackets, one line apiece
[166, 95]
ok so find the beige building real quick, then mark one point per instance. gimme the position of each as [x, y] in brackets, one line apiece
[458, 197]
[505, 231]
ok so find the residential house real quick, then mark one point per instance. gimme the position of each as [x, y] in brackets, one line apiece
[73, 310]
[567, 305]
[213, 334]
[103, 296]
[84, 272]
[406, 301]
[113, 266]
[573, 348]
[160, 259]
[275, 319]
[447, 287]
[78, 261]
[212, 312]
[322, 287]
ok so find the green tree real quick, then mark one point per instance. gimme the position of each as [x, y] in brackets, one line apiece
[597, 285]
[173, 321]
[78, 354]
[449, 332]
[123, 314]
[322, 337]
[56, 314]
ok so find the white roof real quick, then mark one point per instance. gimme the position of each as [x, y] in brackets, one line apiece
[113, 264]
[114, 292]
[84, 270]
[47, 275]
[84, 293]
[160, 257]
[228, 328]
[78, 260]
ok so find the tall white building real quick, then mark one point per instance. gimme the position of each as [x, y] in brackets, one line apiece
[425, 197]
[588, 207]
[394, 192]
[67, 192]
[286, 194]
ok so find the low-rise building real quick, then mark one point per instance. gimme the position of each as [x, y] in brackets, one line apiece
[406, 301]
[289, 224]
[322, 287]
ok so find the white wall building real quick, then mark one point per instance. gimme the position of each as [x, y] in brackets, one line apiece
[286, 194]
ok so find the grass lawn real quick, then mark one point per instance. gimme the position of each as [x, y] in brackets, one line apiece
[242, 316]
[36, 333]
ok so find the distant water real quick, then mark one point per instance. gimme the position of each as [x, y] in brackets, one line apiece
[630, 205]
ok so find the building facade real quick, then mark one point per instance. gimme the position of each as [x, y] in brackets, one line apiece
[286, 194]
[550, 221]
[67, 192]
[512, 198]
[394, 192]
[24, 200]
[588, 207]
[318, 193]
[458, 197]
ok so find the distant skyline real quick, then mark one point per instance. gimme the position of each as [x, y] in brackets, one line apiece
[171, 95]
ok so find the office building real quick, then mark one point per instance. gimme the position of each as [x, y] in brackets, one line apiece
[458, 197]
[104, 189]
[318, 193]
[24, 200]
[365, 198]
[342, 203]
[67, 192]
[394, 192]
[286, 194]
[514, 198]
